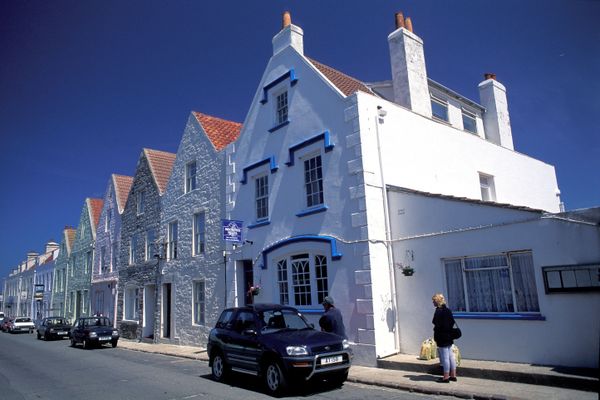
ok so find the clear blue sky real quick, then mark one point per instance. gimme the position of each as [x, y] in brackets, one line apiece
[85, 85]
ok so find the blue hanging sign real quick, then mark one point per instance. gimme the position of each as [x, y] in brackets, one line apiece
[232, 230]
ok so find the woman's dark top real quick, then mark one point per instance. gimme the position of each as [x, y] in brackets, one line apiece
[443, 321]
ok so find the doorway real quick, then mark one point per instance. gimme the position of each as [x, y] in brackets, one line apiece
[248, 281]
[166, 311]
[149, 311]
[78, 304]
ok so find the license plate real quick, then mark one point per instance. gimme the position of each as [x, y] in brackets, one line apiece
[331, 360]
[61, 333]
[105, 337]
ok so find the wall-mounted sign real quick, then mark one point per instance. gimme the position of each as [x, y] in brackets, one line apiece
[39, 292]
[232, 230]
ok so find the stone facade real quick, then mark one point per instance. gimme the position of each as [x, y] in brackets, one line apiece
[61, 267]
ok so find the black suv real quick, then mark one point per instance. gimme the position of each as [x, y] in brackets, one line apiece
[276, 343]
[53, 328]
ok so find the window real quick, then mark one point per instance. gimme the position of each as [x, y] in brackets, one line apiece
[199, 227]
[439, 108]
[88, 262]
[103, 263]
[99, 302]
[282, 107]
[469, 121]
[115, 256]
[149, 248]
[572, 278]
[313, 181]
[199, 303]
[141, 199]
[172, 243]
[132, 303]
[190, 176]
[488, 192]
[308, 279]
[494, 284]
[132, 248]
[262, 197]
[108, 219]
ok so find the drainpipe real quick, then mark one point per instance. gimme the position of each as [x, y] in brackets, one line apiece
[381, 113]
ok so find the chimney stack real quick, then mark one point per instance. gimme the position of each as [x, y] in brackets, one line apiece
[496, 120]
[289, 36]
[31, 259]
[51, 246]
[409, 73]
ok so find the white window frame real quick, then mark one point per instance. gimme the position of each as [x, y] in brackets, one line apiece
[441, 102]
[310, 192]
[148, 243]
[172, 236]
[303, 288]
[191, 180]
[132, 302]
[140, 198]
[472, 116]
[199, 235]
[132, 248]
[282, 106]
[261, 197]
[487, 187]
[199, 302]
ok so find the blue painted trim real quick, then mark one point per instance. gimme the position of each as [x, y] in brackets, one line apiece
[259, 223]
[281, 125]
[310, 311]
[303, 238]
[313, 210]
[503, 316]
[269, 160]
[293, 80]
[325, 136]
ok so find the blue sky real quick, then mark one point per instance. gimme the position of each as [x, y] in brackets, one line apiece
[85, 85]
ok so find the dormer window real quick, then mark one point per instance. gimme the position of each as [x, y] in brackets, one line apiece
[469, 121]
[439, 108]
[282, 107]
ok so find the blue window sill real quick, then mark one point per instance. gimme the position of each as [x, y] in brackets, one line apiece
[259, 223]
[281, 125]
[313, 210]
[503, 316]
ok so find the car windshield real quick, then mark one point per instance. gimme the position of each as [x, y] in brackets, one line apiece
[56, 321]
[97, 322]
[275, 320]
[23, 320]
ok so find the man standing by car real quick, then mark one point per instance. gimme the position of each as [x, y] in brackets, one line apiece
[332, 320]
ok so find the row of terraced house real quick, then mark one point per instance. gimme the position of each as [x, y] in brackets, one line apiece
[377, 194]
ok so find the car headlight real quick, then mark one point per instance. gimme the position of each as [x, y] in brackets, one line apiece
[345, 344]
[115, 333]
[51, 330]
[93, 334]
[296, 351]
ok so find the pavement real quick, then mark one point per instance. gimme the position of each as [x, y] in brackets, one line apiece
[476, 379]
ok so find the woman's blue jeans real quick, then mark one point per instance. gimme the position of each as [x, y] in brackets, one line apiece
[447, 359]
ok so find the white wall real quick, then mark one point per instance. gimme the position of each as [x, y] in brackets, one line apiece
[569, 334]
[430, 156]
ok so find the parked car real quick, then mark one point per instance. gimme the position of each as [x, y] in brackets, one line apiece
[53, 328]
[21, 324]
[5, 324]
[276, 343]
[93, 331]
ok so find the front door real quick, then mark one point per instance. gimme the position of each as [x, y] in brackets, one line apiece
[248, 281]
[166, 310]
[149, 308]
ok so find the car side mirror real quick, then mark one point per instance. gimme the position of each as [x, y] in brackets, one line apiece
[249, 332]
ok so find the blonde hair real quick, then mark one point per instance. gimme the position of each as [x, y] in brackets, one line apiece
[438, 299]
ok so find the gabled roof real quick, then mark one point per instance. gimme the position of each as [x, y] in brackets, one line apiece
[94, 208]
[346, 84]
[220, 132]
[69, 233]
[122, 185]
[161, 165]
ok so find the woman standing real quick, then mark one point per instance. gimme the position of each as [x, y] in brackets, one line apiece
[443, 321]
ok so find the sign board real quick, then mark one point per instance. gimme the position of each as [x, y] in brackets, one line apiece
[39, 292]
[232, 230]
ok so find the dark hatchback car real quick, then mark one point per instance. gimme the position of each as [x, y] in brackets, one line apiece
[53, 328]
[93, 331]
[5, 324]
[277, 344]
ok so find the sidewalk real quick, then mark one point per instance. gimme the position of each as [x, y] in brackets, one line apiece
[420, 381]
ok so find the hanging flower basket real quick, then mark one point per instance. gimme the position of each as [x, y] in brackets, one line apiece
[408, 271]
[254, 290]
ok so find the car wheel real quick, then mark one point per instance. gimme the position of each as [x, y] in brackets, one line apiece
[275, 381]
[46, 336]
[338, 378]
[220, 369]
[73, 342]
[113, 343]
[86, 344]
[39, 336]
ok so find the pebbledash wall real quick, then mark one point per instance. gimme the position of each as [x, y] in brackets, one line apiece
[428, 228]
[181, 205]
[61, 271]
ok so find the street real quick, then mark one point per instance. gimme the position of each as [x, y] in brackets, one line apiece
[35, 369]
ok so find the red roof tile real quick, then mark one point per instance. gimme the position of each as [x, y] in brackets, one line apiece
[220, 132]
[161, 165]
[94, 208]
[122, 185]
[346, 84]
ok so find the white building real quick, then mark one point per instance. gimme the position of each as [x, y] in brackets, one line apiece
[309, 176]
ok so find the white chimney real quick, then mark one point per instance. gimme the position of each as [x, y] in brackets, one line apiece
[31, 259]
[51, 246]
[409, 74]
[290, 35]
[496, 121]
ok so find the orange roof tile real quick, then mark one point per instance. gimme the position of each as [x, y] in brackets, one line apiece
[94, 208]
[122, 185]
[69, 233]
[220, 132]
[346, 84]
[161, 165]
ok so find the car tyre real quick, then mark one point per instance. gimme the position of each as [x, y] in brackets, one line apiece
[275, 380]
[73, 342]
[46, 336]
[86, 344]
[338, 378]
[113, 343]
[39, 337]
[219, 369]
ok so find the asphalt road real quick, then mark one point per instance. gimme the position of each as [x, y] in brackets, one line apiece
[35, 369]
